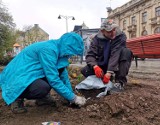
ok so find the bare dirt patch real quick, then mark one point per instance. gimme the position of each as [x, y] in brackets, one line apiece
[137, 105]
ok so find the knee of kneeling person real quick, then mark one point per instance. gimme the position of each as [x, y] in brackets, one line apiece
[126, 55]
[44, 89]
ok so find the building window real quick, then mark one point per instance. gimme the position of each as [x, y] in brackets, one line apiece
[103, 19]
[124, 24]
[133, 35]
[133, 20]
[158, 11]
[144, 33]
[144, 17]
[157, 30]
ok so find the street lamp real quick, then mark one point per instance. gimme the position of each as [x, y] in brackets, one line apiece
[66, 17]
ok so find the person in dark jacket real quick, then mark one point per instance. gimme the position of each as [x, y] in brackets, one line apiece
[108, 55]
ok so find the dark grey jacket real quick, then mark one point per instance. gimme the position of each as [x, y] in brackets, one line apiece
[106, 52]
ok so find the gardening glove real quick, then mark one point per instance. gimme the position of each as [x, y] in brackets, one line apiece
[79, 100]
[106, 78]
[98, 71]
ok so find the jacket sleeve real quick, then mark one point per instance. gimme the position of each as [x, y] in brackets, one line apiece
[65, 79]
[0, 80]
[116, 46]
[92, 53]
[48, 59]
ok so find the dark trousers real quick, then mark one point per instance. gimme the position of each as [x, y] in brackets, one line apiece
[37, 89]
[123, 64]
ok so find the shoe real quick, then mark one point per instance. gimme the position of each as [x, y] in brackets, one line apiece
[117, 87]
[48, 100]
[17, 107]
[112, 78]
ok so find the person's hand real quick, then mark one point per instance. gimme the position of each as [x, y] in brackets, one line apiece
[98, 71]
[79, 100]
[106, 78]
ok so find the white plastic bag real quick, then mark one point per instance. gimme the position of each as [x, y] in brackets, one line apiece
[92, 82]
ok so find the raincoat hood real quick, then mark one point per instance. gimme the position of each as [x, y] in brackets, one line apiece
[70, 44]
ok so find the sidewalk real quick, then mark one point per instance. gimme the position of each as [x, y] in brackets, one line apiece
[146, 66]
[147, 69]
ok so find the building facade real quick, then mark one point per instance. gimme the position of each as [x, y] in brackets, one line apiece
[32, 35]
[37, 34]
[86, 34]
[137, 17]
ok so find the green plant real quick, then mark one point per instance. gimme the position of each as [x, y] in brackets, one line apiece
[80, 77]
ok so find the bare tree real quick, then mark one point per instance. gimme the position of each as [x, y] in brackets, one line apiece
[32, 34]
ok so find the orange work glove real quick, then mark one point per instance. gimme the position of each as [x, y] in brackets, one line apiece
[98, 71]
[106, 78]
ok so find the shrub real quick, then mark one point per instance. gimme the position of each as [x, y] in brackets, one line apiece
[5, 60]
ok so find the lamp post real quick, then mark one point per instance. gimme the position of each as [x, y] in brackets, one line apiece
[66, 18]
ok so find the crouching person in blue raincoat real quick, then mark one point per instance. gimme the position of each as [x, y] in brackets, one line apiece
[38, 68]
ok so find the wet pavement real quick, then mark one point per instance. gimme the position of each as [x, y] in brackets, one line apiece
[147, 69]
[147, 66]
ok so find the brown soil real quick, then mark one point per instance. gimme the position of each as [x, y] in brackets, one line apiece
[137, 105]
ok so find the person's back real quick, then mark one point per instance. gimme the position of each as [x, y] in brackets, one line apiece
[38, 68]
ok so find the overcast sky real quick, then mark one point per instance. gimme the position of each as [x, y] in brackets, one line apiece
[46, 12]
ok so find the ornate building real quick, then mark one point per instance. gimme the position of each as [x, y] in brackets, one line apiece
[137, 17]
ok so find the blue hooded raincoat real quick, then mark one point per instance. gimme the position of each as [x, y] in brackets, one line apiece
[42, 59]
